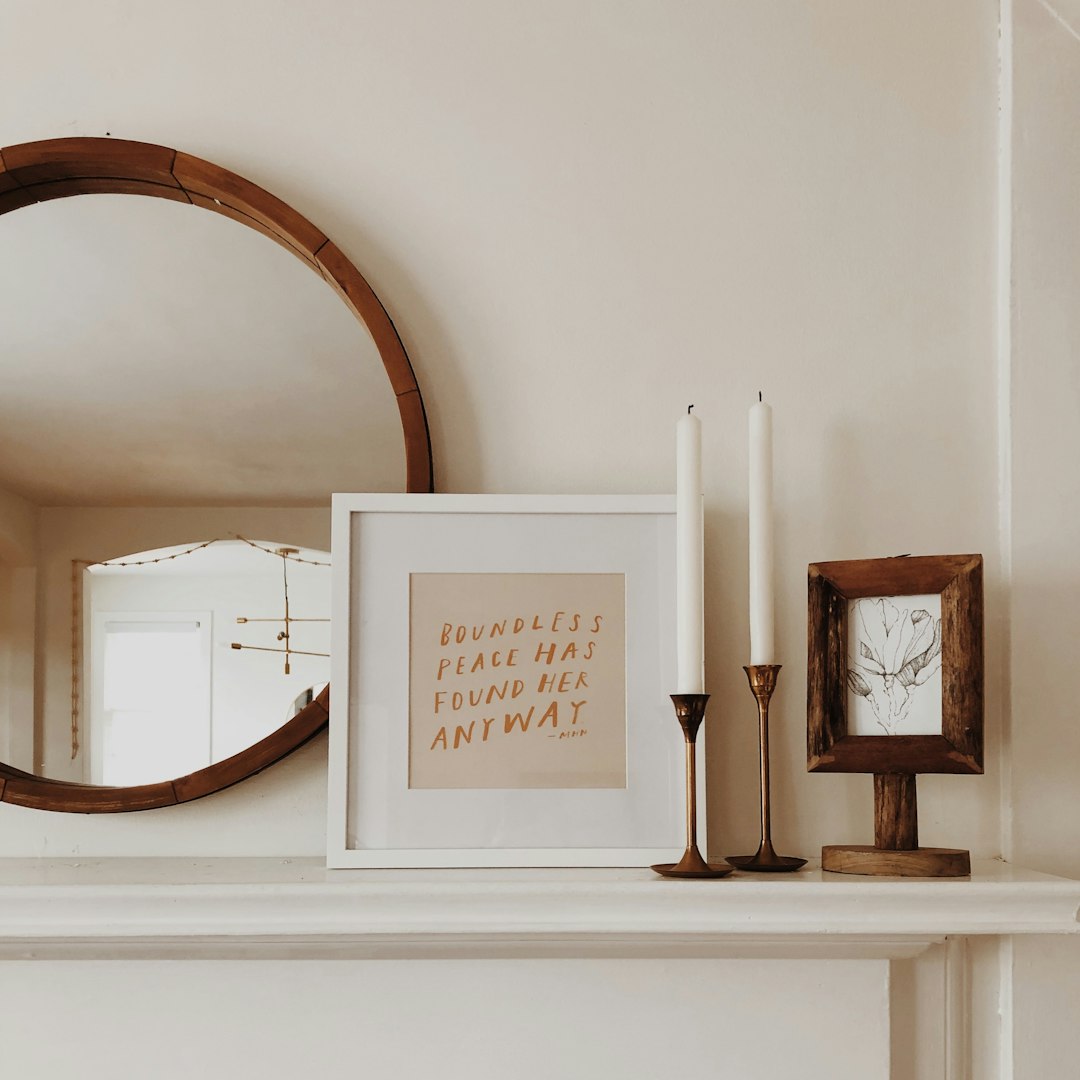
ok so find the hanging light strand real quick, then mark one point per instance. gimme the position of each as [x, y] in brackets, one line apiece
[199, 547]
[152, 562]
[279, 552]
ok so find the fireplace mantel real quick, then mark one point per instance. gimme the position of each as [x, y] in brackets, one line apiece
[297, 908]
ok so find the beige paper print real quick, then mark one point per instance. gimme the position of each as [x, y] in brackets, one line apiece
[894, 665]
[517, 681]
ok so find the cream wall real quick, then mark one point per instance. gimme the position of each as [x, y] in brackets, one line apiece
[582, 217]
[18, 530]
[510, 1025]
[18, 585]
[1044, 794]
[1046, 441]
[18, 605]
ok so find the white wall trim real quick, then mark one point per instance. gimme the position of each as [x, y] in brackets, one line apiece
[1005, 300]
[957, 1010]
[1006, 1059]
[1003, 635]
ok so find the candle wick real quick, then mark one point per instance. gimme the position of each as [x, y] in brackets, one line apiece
[688, 408]
[759, 395]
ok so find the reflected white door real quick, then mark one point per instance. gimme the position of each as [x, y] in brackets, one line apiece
[150, 687]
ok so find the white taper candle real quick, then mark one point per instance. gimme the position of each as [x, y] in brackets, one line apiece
[690, 558]
[762, 590]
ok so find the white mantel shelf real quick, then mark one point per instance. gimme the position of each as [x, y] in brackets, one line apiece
[296, 907]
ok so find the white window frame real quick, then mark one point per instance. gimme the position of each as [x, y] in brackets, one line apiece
[95, 688]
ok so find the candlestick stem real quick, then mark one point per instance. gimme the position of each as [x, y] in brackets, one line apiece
[762, 679]
[690, 712]
[763, 692]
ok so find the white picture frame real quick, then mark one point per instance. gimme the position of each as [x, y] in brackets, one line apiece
[375, 819]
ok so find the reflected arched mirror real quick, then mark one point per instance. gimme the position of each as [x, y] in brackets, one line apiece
[186, 379]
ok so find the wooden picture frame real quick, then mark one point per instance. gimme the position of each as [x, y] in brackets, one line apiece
[959, 748]
[895, 759]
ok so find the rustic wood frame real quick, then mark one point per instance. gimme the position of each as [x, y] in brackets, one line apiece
[61, 168]
[959, 749]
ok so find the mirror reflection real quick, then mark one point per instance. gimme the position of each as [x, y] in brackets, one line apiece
[167, 375]
[193, 653]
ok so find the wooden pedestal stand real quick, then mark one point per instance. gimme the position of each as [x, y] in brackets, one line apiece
[896, 851]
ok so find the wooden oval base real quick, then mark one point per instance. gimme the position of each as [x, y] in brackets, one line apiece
[881, 862]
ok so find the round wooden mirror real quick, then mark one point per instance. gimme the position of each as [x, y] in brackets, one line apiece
[275, 465]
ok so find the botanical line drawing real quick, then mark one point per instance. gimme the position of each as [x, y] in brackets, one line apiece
[894, 652]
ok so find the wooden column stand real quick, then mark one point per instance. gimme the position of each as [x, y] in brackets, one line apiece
[762, 679]
[690, 711]
[896, 851]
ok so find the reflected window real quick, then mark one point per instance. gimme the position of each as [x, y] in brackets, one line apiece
[151, 680]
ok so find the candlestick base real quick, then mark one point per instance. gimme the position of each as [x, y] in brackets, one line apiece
[707, 870]
[690, 712]
[766, 861]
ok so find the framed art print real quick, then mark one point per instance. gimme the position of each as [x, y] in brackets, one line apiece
[895, 665]
[501, 668]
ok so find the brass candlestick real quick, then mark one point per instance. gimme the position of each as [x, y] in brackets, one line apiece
[690, 711]
[762, 679]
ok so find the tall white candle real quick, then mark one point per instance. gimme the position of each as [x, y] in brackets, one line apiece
[762, 591]
[690, 558]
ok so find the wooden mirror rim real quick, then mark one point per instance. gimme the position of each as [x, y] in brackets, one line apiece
[50, 169]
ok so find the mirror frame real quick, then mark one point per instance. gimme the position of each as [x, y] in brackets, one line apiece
[38, 172]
